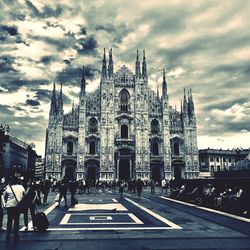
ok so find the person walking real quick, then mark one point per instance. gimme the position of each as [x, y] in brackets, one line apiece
[30, 198]
[45, 188]
[121, 189]
[152, 185]
[72, 190]
[12, 195]
[2, 188]
[139, 187]
[63, 188]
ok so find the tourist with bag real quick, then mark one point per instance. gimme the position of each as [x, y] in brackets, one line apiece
[13, 195]
[30, 199]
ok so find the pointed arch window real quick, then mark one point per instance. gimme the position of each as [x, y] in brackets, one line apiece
[155, 127]
[124, 101]
[93, 127]
[155, 147]
[92, 147]
[70, 147]
[176, 148]
[124, 131]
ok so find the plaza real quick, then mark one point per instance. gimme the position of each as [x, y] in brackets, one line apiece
[103, 220]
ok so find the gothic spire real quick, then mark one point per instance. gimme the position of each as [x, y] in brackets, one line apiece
[137, 67]
[110, 66]
[60, 100]
[53, 106]
[104, 65]
[191, 104]
[144, 67]
[185, 104]
[164, 85]
[158, 97]
[83, 81]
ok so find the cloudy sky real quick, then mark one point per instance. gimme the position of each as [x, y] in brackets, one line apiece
[203, 45]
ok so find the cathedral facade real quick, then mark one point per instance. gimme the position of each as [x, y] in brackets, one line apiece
[122, 130]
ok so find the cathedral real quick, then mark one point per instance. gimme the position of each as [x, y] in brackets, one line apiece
[122, 130]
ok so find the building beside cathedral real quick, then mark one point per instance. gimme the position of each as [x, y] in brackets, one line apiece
[122, 130]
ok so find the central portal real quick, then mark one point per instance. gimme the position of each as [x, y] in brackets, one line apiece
[124, 169]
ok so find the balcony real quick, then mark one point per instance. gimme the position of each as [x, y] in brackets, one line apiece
[69, 156]
[177, 157]
[156, 157]
[88, 156]
[128, 141]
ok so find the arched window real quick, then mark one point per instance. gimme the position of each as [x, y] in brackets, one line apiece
[70, 147]
[124, 131]
[124, 101]
[155, 127]
[212, 169]
[92, 148]
[93, 125]
[218, 168]
[176, 148]
[155, 147]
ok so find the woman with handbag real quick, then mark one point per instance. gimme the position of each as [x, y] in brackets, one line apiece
[13, 195]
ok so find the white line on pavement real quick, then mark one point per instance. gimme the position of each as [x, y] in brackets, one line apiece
[208, 209]
[109, 228]
[157, 216]
[134, 218]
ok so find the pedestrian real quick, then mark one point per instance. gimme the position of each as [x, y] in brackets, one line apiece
[72, 190]
[30, 199]
[45, 188]
[139, 187]
[121, 189]
[2, 205]
[38, 187]
[152, 185]
[63, 188]
[12, 195]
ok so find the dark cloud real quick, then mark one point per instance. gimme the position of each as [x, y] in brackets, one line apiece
[42, 94]
[59, 44]
[47, 59]
[32, 102]
[14, 83]
[67, 61]
[6, 64]
[108, 27]
[87, 45]
[12, 30]
[5, 110]
[224, 105]
[72, 75]
[45, 12]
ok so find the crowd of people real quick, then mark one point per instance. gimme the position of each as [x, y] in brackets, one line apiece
[35, 193]
[232, 199]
